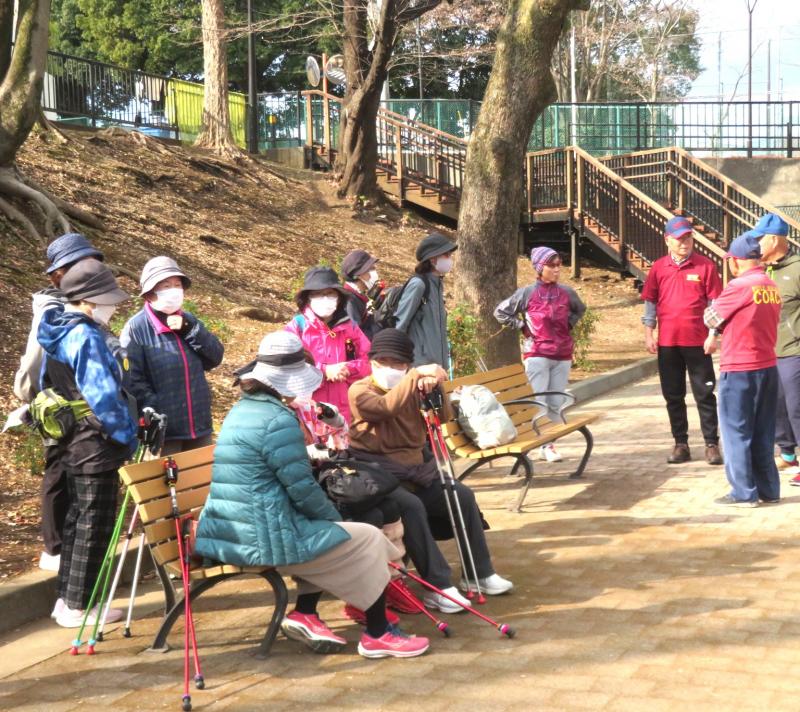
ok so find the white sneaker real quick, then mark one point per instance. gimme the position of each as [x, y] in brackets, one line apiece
[549, 453]
[48, 562]
[60, 605]
[493, 585]
[73, 617]
[445, 605]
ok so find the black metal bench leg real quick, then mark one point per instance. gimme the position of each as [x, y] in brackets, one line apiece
[160, 641]
[281, 601]
[166, 584]
[585, 459]
[523, 490]
[472, 469]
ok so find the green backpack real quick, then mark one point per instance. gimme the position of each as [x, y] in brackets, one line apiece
[54, 416]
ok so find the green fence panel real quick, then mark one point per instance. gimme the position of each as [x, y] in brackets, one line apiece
[184, 106]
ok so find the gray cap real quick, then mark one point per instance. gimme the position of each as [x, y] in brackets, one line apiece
[434, 245]
[158, 269]
[92, 281]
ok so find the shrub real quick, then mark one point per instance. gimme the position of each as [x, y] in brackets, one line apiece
[462, 333]
[28, 452]
[218, 327]
[582, 334]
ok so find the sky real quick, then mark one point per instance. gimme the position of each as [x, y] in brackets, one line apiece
[775, 20]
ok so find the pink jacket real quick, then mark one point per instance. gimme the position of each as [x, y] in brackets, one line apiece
[328, 345]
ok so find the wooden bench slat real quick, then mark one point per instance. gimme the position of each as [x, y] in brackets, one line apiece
[152, 468]
[164, 529]
[161, 508]
[483, 378]
[187, 479]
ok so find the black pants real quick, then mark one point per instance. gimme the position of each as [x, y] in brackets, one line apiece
[415, 509]
[673, 364]
[55, 500]
[787, 422]
[87, 532]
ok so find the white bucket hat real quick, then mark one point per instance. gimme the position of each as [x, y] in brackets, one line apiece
[281, 365]
[158, 269]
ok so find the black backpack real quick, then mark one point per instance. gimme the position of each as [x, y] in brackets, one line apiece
[386, 312]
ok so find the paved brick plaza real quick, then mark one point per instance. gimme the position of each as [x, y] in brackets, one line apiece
[634, 592]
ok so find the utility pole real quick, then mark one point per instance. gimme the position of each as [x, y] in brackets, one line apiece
[252, 96]
[573, 91]
[769, 70]
[751, 5]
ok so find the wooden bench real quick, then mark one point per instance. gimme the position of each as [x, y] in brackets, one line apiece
[511, 388]
[150, 492]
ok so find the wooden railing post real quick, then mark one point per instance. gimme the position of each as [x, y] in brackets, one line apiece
[398, 148]
[581, 183]
[529, 180]
[621, 210]
[726, 213]
[670, 178]
[326, 124]
[570, 172]
[309, 122]
[681, 183]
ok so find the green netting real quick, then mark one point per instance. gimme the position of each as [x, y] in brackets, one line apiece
[453, 116]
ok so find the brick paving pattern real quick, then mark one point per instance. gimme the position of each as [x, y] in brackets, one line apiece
[634, 592]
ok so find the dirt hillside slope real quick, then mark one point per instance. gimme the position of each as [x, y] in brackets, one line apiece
[243, 233]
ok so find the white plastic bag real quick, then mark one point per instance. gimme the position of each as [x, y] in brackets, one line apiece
[482, 417]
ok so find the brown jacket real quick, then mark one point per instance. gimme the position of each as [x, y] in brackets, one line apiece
[388, 423]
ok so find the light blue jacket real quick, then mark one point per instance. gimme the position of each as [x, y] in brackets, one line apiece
[265, 507]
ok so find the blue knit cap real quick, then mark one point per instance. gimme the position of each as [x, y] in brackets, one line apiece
[70, 248]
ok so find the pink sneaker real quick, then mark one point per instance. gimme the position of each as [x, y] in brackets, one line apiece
[309, 629]
[392, 644]
[357, 615]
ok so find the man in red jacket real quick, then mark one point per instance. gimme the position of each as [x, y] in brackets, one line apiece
[678, 288]
[747, 311]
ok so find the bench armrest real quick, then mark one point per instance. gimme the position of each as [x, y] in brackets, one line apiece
[534, 401]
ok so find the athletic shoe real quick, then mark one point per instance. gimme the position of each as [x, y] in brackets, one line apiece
[357, 615]
[549, 453]
[397, 601]
[309, 629]
[783, 464]
[731, 502]
[774, 500]
[440, 603]
[795, 481]
[493, 585]
[392, 644]
[73, 617]
[60, 605]
[49, 562]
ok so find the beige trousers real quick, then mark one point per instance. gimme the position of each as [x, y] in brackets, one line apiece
[356, 571]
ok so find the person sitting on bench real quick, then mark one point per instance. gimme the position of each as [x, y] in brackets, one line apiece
[388, 429]
[265, 509]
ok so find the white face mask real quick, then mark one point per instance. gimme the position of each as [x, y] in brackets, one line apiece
[102, 313]
[443, 264]
[168, 301]
[370, 279]
[387, 377]
[323, 307]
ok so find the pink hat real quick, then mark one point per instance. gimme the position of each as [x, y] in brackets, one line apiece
[540, 256]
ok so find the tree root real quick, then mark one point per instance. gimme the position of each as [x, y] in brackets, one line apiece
[17, 216]
[50, 128]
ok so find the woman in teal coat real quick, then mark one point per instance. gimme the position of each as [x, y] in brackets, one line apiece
[266, 509]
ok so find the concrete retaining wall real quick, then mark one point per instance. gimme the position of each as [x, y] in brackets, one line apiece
[775, 179]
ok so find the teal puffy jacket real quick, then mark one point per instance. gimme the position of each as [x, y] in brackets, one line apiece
[265, 508]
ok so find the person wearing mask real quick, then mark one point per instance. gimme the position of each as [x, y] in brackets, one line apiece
[747, 313]
[62, 253]
[361, 281]
[679, 286]
[784, 269]
[266, 509]
[338, 347]
[388, 430]
[545, 311]
[170, 351]
[421, 312]
[80, 366]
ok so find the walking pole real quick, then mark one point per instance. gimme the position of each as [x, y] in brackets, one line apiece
[420, 606]
[446, 476]
[171, 477]
[127, 632]
[504, 628]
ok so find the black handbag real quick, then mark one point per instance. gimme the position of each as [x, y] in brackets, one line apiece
[354, 485]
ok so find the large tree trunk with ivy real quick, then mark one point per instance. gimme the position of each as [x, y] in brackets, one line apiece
[216, 132]
[39, 214]
[520, 88]
[366, 68]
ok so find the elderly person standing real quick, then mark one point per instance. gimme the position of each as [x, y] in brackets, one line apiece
[421, 312]
[169, 351]
[545, 311]
[747, 312]
[784, 269]
[678, 288]
[361, 279]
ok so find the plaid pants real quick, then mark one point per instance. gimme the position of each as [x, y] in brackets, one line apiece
[87, 532]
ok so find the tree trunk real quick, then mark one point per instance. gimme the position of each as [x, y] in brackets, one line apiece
[520, 87]
[216, 132]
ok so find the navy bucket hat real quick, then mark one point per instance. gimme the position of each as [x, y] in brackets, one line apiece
[70, 248]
